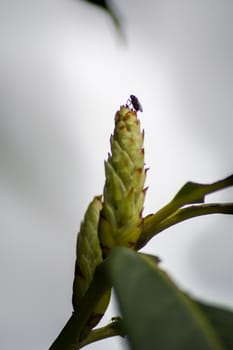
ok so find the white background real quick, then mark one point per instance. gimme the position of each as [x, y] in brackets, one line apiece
[64, 71]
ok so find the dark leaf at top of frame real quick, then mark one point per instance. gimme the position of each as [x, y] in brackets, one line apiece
[105, 5]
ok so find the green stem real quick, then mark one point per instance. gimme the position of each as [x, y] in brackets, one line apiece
[111, 330]
[180, 215]
[68, 339]
[190, 193]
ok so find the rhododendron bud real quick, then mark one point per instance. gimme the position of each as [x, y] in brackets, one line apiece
[121, 216]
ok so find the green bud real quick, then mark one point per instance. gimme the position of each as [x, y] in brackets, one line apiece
[88, 257]
[121, 216]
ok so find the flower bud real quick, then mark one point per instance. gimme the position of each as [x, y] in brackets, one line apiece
[88, 257]
[121, 216]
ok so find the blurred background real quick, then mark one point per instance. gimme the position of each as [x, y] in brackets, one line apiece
[64, 72]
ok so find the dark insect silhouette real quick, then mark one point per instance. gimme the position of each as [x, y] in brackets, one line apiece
[133, 100]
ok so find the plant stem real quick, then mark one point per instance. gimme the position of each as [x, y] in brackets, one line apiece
[69, 337]
[111, 330]
[181, 215]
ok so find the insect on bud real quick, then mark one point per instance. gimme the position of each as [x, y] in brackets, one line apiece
[134, 101]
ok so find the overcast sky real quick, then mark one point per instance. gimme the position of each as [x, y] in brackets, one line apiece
[64, 71]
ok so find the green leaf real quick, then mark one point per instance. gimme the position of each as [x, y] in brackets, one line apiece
[193, 192]
[222, 321]
[172, 213]
[156, 314]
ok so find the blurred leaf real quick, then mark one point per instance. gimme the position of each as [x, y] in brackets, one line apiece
[101, 3]
[104, 4]
[171, 213]
[222, 321]
[156, 314]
